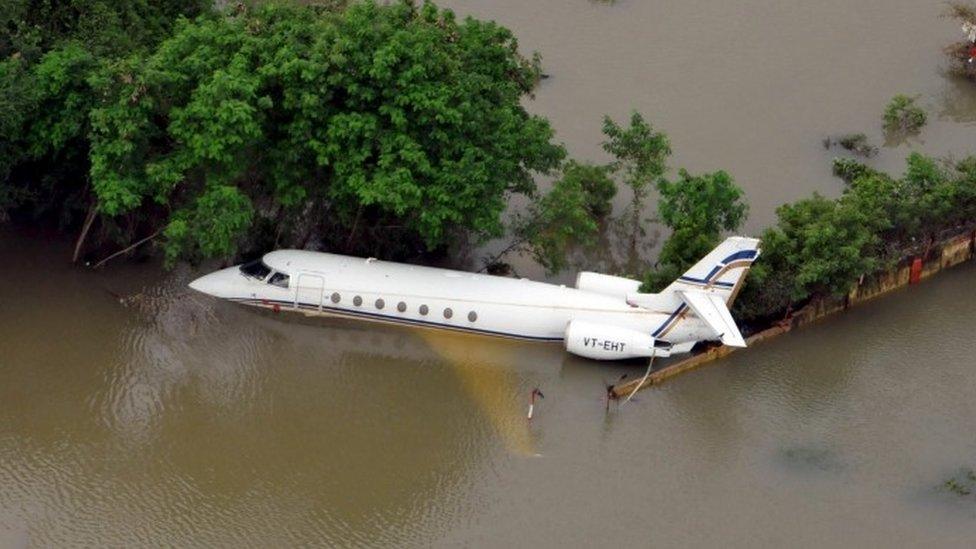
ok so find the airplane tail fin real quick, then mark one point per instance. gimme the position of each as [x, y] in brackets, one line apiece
[721, 272]
[708, 289]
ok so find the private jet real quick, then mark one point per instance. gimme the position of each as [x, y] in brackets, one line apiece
[603, 317]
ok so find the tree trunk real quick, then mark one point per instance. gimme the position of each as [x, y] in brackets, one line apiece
[89, 219]
[352, 233]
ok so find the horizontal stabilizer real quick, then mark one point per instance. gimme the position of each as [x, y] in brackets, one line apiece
[711, 308]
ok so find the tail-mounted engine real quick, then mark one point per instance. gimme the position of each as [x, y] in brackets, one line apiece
[604, 342]
[615, 286]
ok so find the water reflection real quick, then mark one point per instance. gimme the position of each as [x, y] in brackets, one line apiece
[204, 420]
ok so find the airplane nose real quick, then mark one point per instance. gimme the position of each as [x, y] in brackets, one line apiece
[217, 284]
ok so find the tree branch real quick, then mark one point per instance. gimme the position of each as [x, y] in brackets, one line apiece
[127, 249]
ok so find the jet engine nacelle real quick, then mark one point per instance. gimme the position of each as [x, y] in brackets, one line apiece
[603, 342]
[605, 284]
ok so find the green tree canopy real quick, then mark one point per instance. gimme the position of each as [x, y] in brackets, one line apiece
[52, 57]
[559, 222]
[640, 155]
[393, 119]
[28, 28]
[822, 247]
[829, 242]
[639, 152]
[696, 209]
[594, 181]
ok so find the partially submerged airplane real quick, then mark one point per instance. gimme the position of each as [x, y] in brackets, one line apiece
[604, 317]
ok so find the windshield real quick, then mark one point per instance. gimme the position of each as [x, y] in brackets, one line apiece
[279, 279]
[255, 269]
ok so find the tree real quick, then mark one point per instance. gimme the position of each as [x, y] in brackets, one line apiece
[822, 247]
[53, 54]
[769, 289]
[640, 154]
[827, 243]
[392, 121]
[564, 220]
[595, 183]
[103, 27]
[557, 223]
[696, 209]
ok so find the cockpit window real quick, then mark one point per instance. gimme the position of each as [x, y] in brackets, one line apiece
[255, 269]
[279, 279]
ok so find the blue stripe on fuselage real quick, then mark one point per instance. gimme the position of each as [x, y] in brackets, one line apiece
[744, 254]
[707, 281]
[670, 319]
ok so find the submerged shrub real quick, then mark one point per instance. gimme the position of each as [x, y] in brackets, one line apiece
[903, 115]
[856, 143]
[961, 484]
[849, 169]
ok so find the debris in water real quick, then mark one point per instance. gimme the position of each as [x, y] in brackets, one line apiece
[535, 393]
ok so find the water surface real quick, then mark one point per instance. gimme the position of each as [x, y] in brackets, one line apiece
[137, 413]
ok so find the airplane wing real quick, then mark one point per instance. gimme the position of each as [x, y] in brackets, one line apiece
[712, 309]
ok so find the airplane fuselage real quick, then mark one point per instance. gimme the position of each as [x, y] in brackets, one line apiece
[317, 283]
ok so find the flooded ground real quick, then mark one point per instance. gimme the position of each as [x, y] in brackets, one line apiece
[750, 86]
[136, 413]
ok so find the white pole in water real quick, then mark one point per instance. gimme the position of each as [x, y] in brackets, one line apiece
[535, 392]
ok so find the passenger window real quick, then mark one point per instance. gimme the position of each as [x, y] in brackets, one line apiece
[279, 279]
[255, 269]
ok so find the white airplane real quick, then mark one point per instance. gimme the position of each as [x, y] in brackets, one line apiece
[604, 317]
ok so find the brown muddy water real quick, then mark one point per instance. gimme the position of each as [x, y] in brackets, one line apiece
[748, 86]
[135, 413]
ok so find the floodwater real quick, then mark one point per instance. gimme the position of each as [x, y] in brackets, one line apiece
[135, 412]
[750, 86]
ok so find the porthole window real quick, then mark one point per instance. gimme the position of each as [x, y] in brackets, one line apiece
[357, 301]
[402, 307]
[472, 316]
[424, 310]
[379, 303]
[336, 297]
[448, 313]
